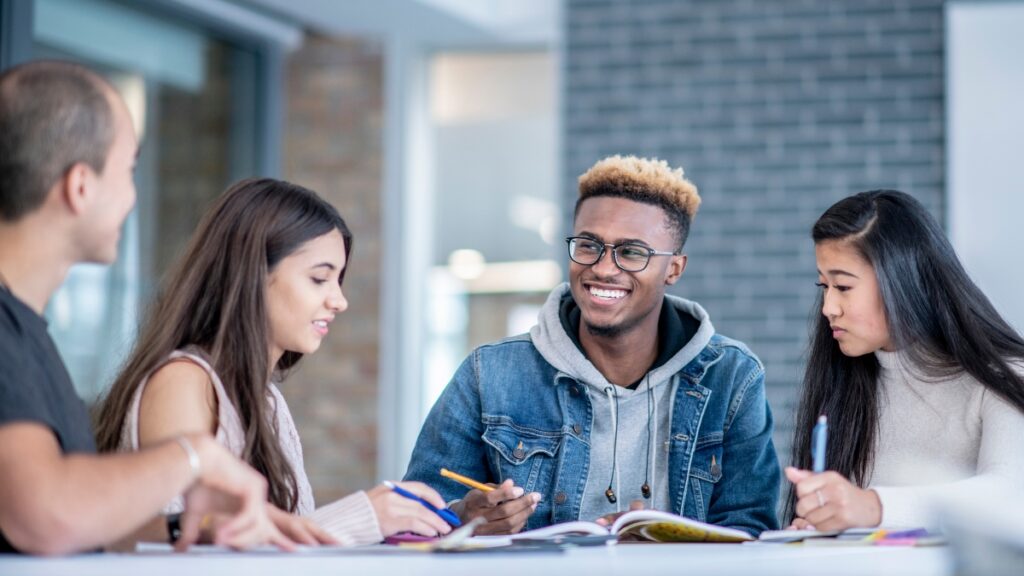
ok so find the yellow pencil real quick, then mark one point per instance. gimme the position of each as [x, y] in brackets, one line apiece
[465, 481]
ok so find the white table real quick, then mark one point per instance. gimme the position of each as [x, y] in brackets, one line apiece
[681, 559]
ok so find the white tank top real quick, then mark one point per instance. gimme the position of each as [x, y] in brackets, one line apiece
[229, 427]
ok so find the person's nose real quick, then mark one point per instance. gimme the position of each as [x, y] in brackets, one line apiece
[830, 305]
[337, 302]
[605, 266]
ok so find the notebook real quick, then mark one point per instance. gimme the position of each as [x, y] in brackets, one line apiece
[856, 537]
[642, 525]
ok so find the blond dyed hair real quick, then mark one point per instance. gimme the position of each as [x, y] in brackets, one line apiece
[646, 180]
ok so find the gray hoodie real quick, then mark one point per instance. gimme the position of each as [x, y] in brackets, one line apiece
[637, 415]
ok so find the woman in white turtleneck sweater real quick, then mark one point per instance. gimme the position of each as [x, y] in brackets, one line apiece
[920, 377]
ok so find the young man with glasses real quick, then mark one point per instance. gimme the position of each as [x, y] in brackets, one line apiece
[621, 396]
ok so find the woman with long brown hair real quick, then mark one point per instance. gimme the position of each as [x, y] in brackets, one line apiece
[257, 287]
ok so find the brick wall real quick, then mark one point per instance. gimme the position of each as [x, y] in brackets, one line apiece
[776, 109]
[192, 146]
[333, 146]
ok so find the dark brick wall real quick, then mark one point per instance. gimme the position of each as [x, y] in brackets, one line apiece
[193, 147]
[775, 109]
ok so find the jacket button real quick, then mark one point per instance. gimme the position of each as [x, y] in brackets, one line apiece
[577, 429]
[518, 453]
[574, 390]
[560, 498]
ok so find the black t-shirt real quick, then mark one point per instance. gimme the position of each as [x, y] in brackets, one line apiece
[34, 383]
[674, 330]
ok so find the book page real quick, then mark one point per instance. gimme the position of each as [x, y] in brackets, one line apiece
[666, 527]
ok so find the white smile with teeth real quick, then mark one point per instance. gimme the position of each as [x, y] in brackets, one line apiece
[609, 294]
[320, 323]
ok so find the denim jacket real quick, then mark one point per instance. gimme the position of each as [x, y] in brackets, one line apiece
[509, 412]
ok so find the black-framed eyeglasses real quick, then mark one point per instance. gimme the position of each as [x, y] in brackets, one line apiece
[628, 256]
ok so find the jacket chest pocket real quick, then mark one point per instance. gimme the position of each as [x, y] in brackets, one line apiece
[527, 456]
[705, 472]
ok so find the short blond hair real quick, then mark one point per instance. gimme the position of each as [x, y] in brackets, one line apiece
[646, 180]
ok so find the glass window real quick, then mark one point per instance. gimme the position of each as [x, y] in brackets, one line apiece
[496, 217]
[192, 97]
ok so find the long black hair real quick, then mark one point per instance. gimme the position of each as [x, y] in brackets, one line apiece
[936, 315]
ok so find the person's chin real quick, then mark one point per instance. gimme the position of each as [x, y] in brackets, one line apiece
[854, 351]
[311, 347]
[602, 327]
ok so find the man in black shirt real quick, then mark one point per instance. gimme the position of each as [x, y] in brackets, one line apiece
[67, 152]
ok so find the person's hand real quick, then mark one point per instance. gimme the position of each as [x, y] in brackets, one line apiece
[226, 485]
[299, 529]
[828, 501]
[800, 524]
[609, 519]
[506, 508]
[396, 513]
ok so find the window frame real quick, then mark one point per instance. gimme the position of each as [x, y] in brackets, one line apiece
[220, 21]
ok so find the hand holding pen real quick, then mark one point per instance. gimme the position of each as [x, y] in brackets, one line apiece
[445, 514]
[506, 507]
[825, 499]
[397, 513]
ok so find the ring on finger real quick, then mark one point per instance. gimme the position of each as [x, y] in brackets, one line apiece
[821, 499]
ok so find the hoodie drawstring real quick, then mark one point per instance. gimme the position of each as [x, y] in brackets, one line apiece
[613, 397]
[652, 432]
[646, 488]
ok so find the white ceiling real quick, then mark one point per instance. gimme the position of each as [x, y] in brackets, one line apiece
[432, 22]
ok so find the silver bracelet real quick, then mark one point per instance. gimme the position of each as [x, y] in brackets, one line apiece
[193, 456]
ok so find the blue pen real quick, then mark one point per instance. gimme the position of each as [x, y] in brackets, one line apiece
[446, 514]
[819, 442]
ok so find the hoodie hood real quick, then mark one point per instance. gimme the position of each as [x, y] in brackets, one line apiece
[558, 349]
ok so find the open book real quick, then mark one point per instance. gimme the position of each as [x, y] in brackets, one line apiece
[644, 525]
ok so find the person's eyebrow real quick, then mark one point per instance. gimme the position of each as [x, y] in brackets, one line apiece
[327, 265]
[632, 241]
[617, 242]
[838, 272]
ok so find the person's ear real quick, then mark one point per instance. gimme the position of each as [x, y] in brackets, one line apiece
[676, 266]
[76, 187]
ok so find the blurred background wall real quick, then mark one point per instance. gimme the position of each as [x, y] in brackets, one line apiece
[449, 133]
[775, 110]
[333, 144]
